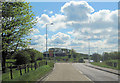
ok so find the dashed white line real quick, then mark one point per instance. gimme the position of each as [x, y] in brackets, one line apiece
[82, 73]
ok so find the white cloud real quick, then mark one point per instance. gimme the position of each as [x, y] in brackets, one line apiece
[77, 10]
[45, 18]
[38, 42]
[60, 38]
[80, 16]
[44, 10]
[34, 31]
[57, 19]
[51, 12]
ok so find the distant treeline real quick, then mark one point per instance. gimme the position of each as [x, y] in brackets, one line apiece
[105, 56]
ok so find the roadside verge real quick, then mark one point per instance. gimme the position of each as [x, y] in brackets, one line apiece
[41, 79]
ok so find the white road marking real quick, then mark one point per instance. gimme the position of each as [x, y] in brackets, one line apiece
[82, 72]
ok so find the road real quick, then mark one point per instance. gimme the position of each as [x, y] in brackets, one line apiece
[95, 74]
[78, 72]
[66, 72]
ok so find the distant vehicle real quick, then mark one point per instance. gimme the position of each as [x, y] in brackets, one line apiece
[91, 60]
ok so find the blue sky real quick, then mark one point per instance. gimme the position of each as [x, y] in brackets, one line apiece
[70, 0]
[66, 35]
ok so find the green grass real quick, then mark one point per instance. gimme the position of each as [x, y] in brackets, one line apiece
[0, 66]
[33, 75]
[10, 60]
[103, 64]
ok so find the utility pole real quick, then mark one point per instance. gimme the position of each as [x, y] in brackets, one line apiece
[89, 50]
[46, 37]
[46, 40]
[54, 55]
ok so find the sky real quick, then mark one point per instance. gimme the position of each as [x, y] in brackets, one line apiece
[78, 25]
[72, 0]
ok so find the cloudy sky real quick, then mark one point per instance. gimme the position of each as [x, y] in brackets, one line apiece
[76, 24]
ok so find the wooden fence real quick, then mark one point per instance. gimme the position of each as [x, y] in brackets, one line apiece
[27, 67]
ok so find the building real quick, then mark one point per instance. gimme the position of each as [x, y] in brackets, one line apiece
[57, 52]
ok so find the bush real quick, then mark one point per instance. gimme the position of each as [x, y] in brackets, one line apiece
[27, 56]
[34, 54]
[81, 60]
[113, 63]
[109, 63]
[22, 58]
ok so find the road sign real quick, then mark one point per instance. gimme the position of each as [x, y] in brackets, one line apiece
[51, 52]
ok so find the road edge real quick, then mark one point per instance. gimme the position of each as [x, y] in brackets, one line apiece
[40, 80]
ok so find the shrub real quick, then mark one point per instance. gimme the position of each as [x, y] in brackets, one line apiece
[34, 54]
[22, 58]
[27, 56]
[113, 63]
[81, 60]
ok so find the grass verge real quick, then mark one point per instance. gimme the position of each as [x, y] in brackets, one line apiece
[0, 67]
[103, 64]
[32, 76]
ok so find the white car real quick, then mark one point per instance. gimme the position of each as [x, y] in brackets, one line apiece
[91, 60]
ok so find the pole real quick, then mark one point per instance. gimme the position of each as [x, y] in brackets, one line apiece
[46, 41]
[54, 55]
[97, 52]
[89, 49]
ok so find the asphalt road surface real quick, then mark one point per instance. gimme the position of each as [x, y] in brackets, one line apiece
[66, 72]
[95, 74]
[78, 72]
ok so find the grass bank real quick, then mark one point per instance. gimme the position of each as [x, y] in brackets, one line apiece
[0, 67]
[30, 76]
[105, 65]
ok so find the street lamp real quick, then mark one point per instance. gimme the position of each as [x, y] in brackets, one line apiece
[89, 49]
[54, 54]
[88, 39]
[46, 36]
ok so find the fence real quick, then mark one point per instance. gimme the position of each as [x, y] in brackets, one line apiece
[26, 67]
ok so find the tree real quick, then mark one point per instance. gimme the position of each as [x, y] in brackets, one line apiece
[96, 57]
[73, 53]
[106, 56]
[22, 58]
[34, 54]
[27, 55]
[17, 21]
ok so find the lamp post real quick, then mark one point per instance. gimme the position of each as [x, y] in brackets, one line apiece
[89, 50]
[54, 54]
[46, 37]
